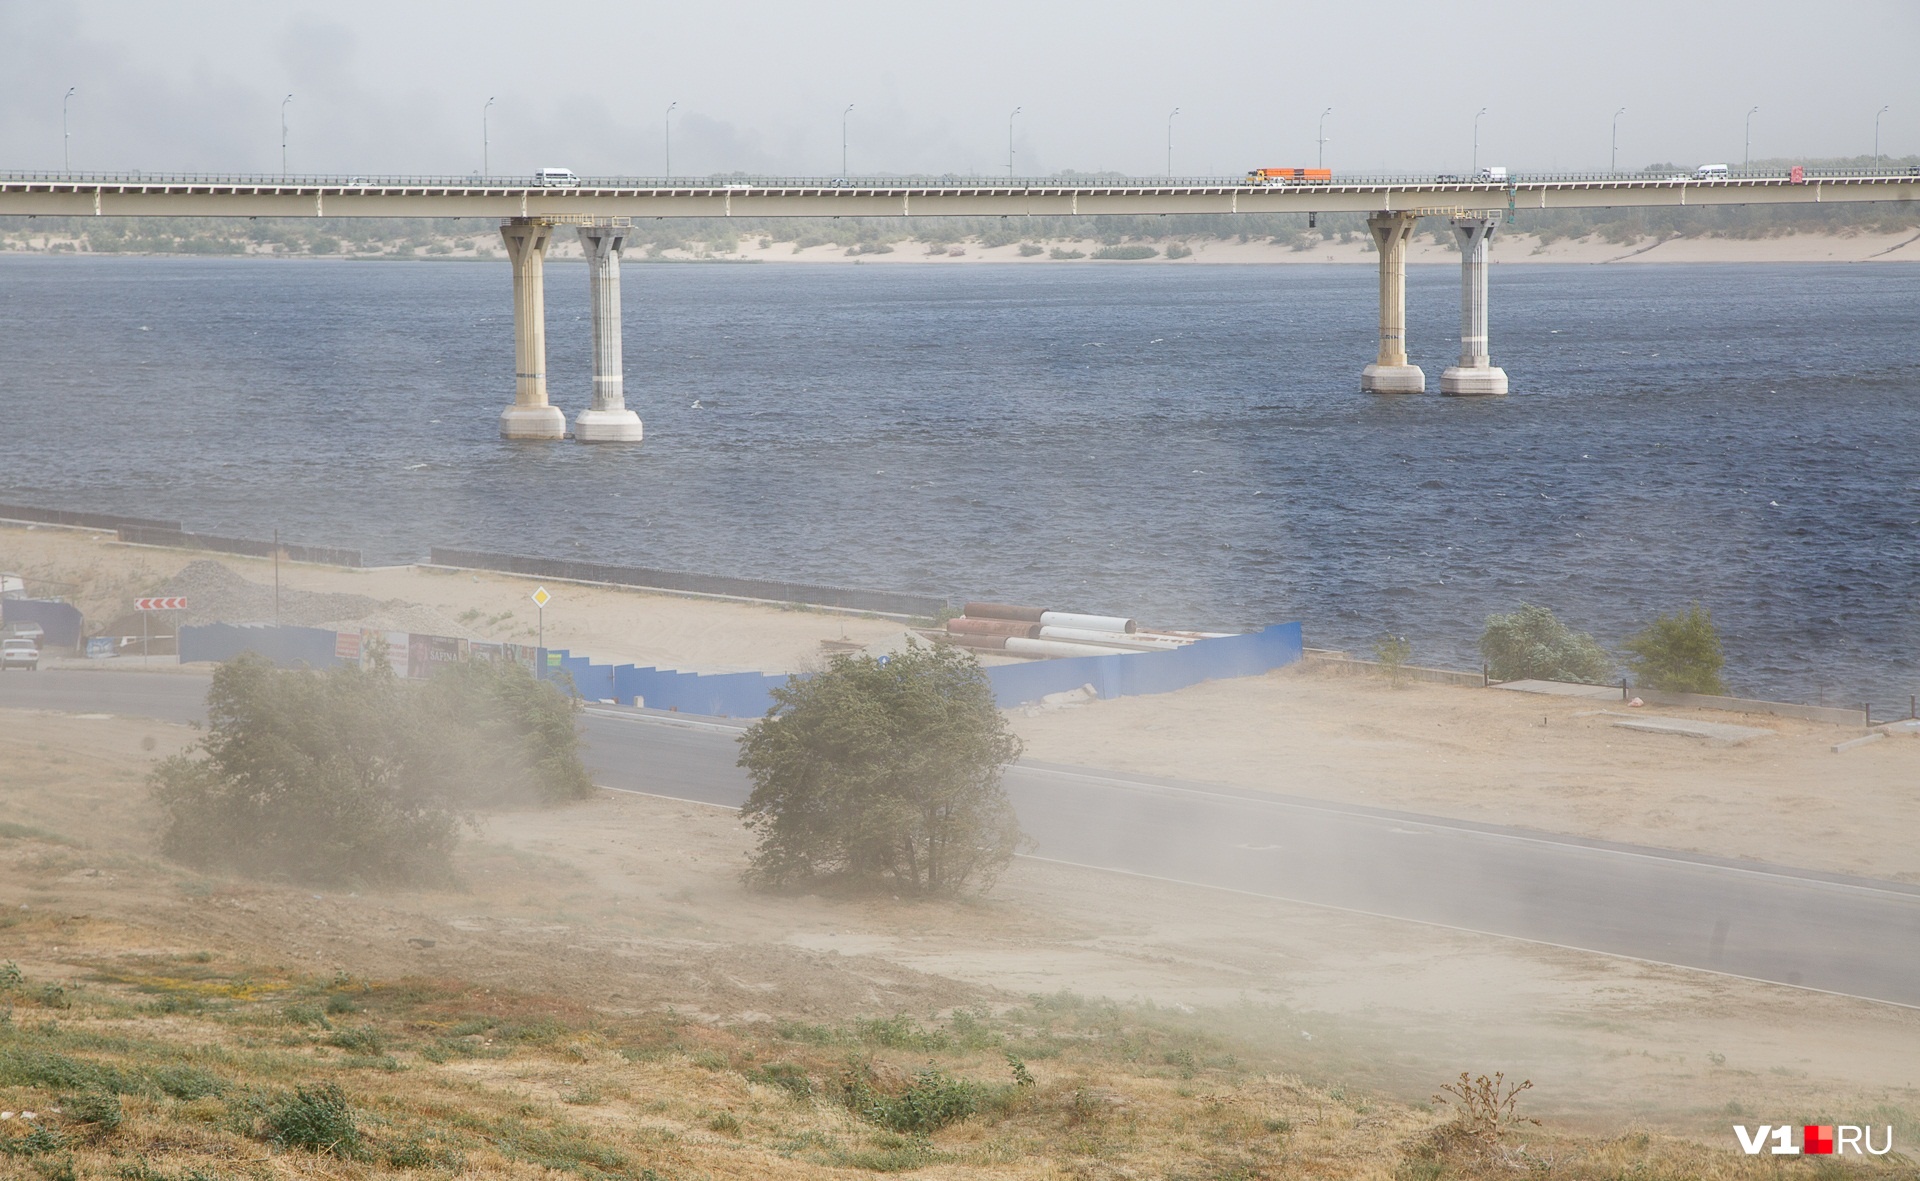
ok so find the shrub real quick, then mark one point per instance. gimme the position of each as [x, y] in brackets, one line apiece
[930, 1102]
[1393, 652]
[1059, 253]
[1679, 653]
[1484, 1106]
[882, 770]
[318, 1119]
[351, 775]
[1530, 644]
[1179, 250]
[1029, 250]
[1126, 253]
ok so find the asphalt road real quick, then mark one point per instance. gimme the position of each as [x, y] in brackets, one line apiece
[1848, 935]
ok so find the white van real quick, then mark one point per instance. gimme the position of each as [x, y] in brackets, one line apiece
[1710, 172]
[556, 178]
[1495, 173]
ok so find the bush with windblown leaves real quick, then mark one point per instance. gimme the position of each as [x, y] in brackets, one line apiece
[1679, 653]
[1531, 645]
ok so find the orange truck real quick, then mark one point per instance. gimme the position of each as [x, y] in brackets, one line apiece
[1290, 176]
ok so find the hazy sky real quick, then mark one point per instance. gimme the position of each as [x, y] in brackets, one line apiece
[398, 87]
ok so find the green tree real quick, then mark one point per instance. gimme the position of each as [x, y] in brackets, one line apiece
[883, 771]
[1679, 653]
[354, 776]
[1530, 644]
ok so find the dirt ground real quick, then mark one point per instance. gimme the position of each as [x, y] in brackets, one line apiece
[631, 903]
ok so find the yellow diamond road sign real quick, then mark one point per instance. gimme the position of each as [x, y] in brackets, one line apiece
[540, 597]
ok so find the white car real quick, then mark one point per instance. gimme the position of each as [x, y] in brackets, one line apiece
[19, 652]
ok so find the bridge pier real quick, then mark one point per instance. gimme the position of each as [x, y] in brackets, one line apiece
[1390, 373]
[607, 420]
[1476, 375]
[530, 417]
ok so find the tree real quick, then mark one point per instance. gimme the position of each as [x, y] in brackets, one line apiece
[1679, 653]
[1531, 645]
[353, 776]
[882, 771]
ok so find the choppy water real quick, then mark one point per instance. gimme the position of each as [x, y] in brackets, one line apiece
[1184, 444]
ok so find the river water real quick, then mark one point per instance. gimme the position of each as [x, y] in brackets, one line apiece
[1183, 444]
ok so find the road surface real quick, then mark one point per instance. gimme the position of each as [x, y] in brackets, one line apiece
[1855, 936]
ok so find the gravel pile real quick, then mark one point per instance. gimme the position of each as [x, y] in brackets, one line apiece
[215, 594]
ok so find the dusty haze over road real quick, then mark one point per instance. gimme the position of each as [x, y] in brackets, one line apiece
[761, 87]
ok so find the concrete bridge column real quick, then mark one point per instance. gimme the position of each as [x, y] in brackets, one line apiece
[1476, 375]
[530, 417]
[1390, 373]
[607, 420]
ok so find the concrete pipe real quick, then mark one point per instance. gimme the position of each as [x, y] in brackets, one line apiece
[1135, 643]
[1098, 623]
[966, 626]
[1063, 648]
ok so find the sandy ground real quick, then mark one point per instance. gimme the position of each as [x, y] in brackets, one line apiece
[633, 903]
[619, 626]
[1553, 764]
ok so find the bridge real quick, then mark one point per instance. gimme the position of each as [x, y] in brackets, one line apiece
[603, 208]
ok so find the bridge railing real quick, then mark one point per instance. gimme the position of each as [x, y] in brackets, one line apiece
[737, 181]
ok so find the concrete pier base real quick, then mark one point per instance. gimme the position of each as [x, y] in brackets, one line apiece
[1393, 379]
[1485, 381]
[530, 417]
[607, 420]
[1391, 372]
[607, 426]
[1476, 376]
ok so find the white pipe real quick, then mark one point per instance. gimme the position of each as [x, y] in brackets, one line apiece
[1136, 643]
[1025, 647]
[1099, 623]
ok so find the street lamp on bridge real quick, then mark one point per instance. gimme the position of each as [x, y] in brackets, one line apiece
[283, 135]
[1321, 160]
[1170, 116]
[843, 140]
[1876, 135]
[1613, 161]
[1017, 110]
[1476, 138]
[486, 143]
[66, 151]
[668, 119]
[1746, 156]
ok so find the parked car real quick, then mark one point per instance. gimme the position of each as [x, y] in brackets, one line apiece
[24, 631]
[19, 652]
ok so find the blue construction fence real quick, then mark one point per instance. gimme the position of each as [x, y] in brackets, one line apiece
[750, 694]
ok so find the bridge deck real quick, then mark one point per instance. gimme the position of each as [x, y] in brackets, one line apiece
[136, 196]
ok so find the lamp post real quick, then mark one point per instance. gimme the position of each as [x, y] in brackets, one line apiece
[66, 151]
[1876, 135]
[1746, 154]
[1613, 162]
[668, 120]
[1016, 111]
[283, 135]
[1170, 116]
[843, 140]
[486, 143]
[1321, 161]
[1476, 139]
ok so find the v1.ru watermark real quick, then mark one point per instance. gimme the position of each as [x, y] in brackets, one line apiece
[1815, 1140]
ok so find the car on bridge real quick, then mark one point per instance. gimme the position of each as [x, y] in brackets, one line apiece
[19, 652]
[556, 178]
